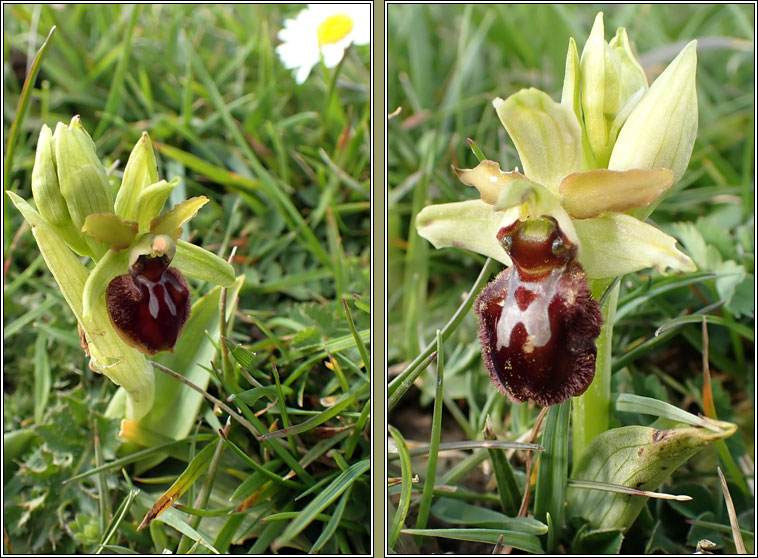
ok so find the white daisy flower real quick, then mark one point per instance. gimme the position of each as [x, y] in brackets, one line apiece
[322, 30]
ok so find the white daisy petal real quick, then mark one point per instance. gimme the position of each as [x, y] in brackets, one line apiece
[322, 30]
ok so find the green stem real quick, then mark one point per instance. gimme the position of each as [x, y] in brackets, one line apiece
[591, 411]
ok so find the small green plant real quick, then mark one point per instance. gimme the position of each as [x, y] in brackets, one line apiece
[77, 215]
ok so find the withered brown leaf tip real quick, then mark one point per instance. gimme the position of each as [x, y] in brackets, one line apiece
[149, 306]
[537, 319]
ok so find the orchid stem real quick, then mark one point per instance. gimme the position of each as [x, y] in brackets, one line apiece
[591, 411]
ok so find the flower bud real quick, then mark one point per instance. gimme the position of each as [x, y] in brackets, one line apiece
[612, 82]
[47, 195]
[45, 189]
[81, 175]
[660, 132]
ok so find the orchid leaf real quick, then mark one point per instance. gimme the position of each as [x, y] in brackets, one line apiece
[641, 457]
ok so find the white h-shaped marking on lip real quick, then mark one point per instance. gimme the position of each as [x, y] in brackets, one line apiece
[535, 318]
[153, 303]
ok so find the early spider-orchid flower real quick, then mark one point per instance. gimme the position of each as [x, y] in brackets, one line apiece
[593, 167]
[146, 303]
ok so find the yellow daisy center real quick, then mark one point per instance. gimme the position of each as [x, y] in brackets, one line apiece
[334, 28]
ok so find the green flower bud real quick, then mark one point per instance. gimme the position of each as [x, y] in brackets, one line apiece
[612, 83]
[47, 195]
[81, 175]
[660, 132]
[45, 189]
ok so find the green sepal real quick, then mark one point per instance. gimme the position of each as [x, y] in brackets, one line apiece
[110, 229]
[616, 243]
[571, 93]
[108, 268]
[151, 200]
[640, 457]
[45, 189]
[546, 134]
[47, 195]
[140, 172]
[201, 264]
[171, 223]
[472, 225]
[109, 354]
[81, 175]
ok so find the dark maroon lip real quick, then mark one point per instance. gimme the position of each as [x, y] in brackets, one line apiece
[537, 320]
[149, 309]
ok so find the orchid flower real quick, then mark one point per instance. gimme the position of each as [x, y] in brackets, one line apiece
[147, 303]
[594, 165]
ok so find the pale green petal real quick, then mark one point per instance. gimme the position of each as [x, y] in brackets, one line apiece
[202, 264]
[171, 222]
[615, 244]
[109, 354]
[546, 134]
[488, 179]
[140, 172]
[660, 132]
[111, 229]
[472, 225]
[591, 193]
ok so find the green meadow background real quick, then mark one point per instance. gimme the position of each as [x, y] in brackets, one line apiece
[287, 170]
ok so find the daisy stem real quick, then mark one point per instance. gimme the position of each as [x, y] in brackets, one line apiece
[591, 411]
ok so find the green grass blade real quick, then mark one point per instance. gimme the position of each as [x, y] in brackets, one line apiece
[552, 474]
[404, 504]
[434, 442]
[333, 491]
[117, 85]
[522, 541]
[23, 105]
